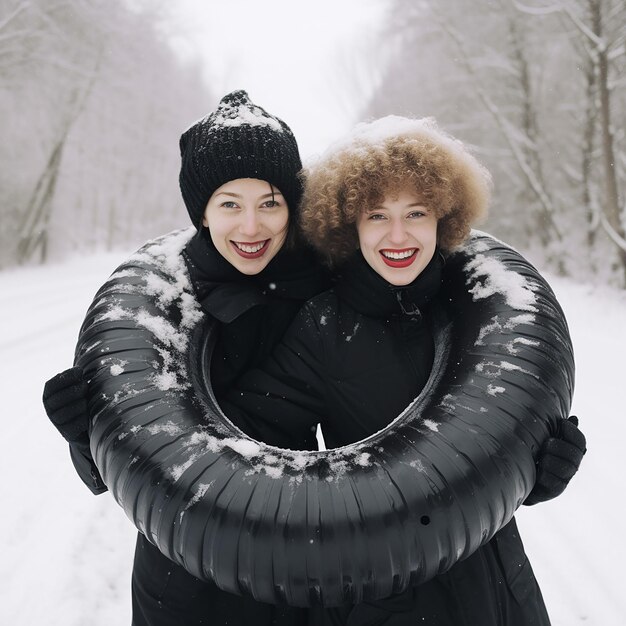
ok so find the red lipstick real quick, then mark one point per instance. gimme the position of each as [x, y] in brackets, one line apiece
[399, 263]
[251, 255]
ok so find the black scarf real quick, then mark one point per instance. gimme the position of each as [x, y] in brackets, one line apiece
[225, 293]
[370, 294]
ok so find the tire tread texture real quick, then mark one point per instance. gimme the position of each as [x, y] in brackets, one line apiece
[352, 524]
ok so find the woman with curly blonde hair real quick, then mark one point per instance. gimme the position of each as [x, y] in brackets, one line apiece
[384, 157]
[384, 208]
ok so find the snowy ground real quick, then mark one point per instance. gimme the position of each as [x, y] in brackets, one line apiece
[67, 555]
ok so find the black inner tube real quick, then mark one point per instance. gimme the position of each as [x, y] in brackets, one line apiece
[346, 525]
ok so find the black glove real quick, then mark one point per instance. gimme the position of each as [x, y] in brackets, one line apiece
[559, 459]
[65, 401]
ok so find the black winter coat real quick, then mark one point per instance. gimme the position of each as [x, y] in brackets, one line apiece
[254, 312]
[353, 359]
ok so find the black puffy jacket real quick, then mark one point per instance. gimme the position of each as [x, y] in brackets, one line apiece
[353, 359]
[254, 311]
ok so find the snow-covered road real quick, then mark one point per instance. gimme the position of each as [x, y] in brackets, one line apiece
[67, 555]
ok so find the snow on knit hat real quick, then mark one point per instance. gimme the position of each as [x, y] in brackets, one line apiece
[237, 140]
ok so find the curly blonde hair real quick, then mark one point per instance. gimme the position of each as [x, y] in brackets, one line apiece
[381, 158]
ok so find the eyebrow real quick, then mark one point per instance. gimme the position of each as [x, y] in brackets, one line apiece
[408, 206]
[237, 195]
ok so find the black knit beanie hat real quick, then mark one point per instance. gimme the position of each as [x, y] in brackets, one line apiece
[238, 140]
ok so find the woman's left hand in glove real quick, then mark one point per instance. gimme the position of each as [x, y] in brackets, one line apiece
[559, 459]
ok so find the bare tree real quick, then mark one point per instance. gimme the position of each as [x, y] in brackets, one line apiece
[33, 232]
[91, 159]
[601, 27]
[520, 130]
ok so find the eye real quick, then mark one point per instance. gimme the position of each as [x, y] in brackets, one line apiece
[270, 204]
[229, 204]
[376, 217]
[416, 214]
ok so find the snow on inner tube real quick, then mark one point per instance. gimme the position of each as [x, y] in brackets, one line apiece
[345, 525]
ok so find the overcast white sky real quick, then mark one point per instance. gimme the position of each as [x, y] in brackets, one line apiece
[310, 63]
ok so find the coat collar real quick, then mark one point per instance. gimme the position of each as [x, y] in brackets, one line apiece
[370, 294]
[225, 293]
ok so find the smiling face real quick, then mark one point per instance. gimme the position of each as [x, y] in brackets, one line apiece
[247, 219]
[399, 237]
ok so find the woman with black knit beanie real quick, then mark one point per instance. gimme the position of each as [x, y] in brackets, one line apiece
[385, 207]
[251, 271]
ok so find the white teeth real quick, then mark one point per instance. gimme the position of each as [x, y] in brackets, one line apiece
[250, 249]
[397, 256]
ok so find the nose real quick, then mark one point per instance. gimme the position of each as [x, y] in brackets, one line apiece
[397, 232]
[249, 225]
